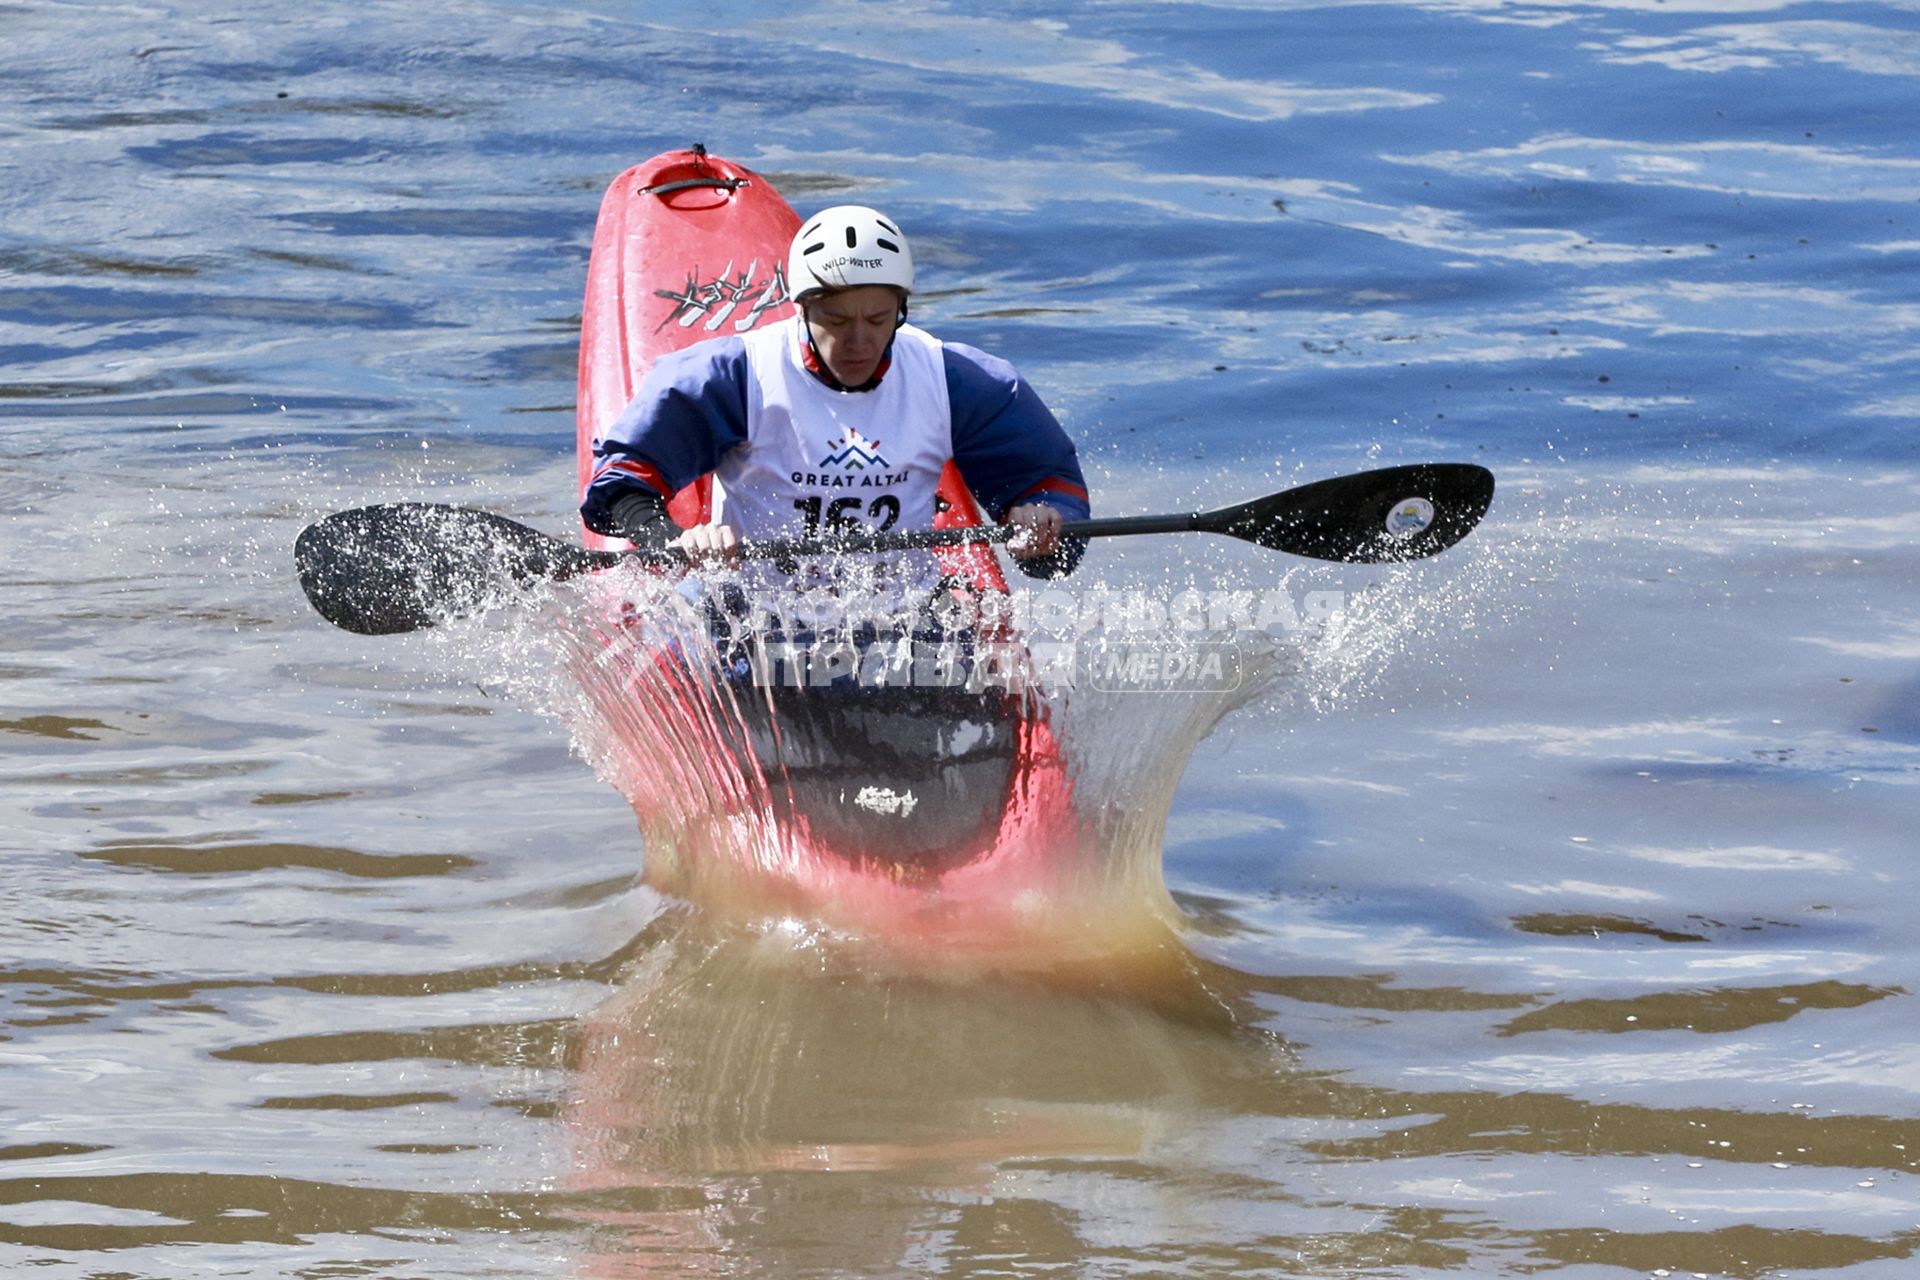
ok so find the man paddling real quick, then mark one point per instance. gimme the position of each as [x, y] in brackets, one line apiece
[838, 418]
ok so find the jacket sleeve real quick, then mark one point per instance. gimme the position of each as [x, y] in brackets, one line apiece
[1011, 450]
[689, 411]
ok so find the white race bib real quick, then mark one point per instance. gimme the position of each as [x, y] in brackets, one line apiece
[818, 461]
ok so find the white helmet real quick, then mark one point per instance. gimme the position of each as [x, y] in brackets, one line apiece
[845, 247]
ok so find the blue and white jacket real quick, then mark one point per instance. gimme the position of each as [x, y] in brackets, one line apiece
[696, 406]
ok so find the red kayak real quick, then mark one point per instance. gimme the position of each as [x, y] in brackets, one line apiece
[871, 806]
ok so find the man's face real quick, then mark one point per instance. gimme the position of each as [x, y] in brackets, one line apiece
[851, 329]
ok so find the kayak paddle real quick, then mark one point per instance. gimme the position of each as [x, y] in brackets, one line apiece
[402, 566]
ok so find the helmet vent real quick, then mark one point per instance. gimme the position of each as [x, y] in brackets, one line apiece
[886, 244]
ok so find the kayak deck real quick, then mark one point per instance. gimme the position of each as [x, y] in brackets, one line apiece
[906, 782]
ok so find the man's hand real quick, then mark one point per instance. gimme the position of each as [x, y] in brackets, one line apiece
[709, 542]
[1039, 530]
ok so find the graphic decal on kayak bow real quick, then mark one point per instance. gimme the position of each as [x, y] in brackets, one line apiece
[717, 299]
[853, 452]
[1409, 517]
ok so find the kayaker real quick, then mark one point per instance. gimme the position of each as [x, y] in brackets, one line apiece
[840, 416]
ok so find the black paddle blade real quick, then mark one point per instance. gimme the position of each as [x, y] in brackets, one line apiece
[407, 565]
[1395, 513]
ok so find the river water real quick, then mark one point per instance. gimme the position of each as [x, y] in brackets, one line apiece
[1551, 914]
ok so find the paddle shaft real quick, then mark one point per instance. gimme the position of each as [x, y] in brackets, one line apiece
[975, 535]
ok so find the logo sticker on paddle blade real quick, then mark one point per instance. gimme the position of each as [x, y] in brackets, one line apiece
[1410, 517]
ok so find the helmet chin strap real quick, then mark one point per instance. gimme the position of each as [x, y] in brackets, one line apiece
[819, 368]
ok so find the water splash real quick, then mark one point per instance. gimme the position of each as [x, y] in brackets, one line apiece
[761, 796]
[1030, 803]
[735, 788]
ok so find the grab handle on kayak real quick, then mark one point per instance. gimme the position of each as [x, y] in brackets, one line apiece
[728, 185]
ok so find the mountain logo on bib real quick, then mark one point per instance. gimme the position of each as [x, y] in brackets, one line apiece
[853, 452]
